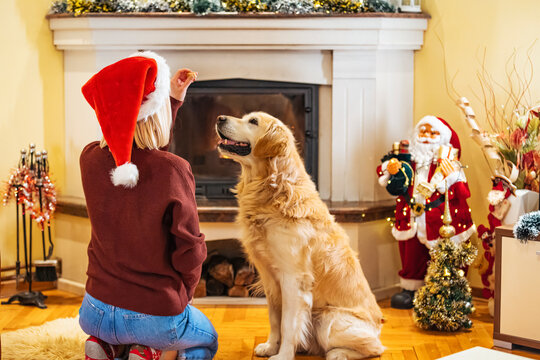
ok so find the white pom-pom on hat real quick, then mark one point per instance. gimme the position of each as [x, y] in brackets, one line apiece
[126, 175]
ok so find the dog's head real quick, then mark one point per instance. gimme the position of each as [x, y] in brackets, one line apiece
[255, 136]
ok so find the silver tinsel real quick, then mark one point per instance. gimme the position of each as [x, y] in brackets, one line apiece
[155, 6]
[203, 7]
[59, 7]
[127, 6]
[293, 7]
[528, 227]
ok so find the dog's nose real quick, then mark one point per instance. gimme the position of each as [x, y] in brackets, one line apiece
[221, 119]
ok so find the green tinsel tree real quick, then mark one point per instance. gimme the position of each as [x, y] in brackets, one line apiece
[444, 303]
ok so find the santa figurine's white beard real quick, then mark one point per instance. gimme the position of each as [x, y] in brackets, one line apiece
[424, 154]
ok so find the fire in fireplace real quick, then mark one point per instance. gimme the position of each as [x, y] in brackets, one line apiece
[195, 139]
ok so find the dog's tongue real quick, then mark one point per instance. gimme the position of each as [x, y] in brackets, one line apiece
[231, 142]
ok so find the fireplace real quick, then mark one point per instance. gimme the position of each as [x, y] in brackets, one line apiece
[195, 140]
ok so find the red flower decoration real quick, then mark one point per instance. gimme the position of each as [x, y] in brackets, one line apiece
[528, 159]
[518, 138]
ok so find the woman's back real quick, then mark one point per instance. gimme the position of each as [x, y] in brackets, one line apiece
[140, 235]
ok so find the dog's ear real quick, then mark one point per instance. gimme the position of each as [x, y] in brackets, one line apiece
[273, 143]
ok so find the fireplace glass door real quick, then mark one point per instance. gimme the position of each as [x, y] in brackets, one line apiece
[195, 137]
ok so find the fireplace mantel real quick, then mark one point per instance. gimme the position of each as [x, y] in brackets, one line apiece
[363, 64]
[256, 32]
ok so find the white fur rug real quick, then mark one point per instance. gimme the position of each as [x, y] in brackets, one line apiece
[60, 339]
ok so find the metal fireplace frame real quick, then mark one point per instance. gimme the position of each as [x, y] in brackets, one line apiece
[220, 188]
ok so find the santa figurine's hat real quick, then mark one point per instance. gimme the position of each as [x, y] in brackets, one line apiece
[501, 190]
[448, 135]
[121, 94]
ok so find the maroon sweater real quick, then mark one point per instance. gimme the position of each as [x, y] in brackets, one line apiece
[146, 250]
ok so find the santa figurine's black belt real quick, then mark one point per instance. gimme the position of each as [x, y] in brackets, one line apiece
[419, 208]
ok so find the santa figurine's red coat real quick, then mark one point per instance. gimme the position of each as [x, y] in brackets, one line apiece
[418, 217]
[426, 226]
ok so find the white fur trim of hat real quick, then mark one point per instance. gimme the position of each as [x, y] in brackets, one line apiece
[156, 99]
[436, 124]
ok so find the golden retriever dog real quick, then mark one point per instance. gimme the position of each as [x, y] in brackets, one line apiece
[319, 300]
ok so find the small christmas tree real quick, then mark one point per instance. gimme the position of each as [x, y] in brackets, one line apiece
[445, 302]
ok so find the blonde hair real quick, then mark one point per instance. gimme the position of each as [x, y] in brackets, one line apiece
[154, 131]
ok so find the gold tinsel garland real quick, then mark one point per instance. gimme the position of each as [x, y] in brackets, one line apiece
[339, 6]
[245, 5]
[81, 7]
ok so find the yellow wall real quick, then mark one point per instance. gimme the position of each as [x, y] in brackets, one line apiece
[31, 96]
[466, 29]
[31, 99]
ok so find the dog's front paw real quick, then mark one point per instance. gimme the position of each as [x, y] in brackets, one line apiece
[282, 357]
[266, 349]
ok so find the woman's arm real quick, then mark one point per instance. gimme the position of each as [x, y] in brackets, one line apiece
[180, 83]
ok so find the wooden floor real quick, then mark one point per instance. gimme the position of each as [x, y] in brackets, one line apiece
[240, 328]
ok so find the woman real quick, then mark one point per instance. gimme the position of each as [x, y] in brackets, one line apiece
[146, 250]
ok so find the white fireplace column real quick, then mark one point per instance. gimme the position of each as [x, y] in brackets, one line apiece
[372, 99]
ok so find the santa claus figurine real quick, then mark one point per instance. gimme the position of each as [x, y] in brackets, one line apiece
[421, 180]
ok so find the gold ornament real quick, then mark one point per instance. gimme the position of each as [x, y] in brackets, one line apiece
[446, 272]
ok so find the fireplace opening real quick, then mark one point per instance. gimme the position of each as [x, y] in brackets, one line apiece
[226, 272]
[195, 139]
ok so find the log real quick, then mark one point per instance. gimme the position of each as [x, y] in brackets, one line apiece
[200, 290]
[243, 273]
[238, 291]
[221, 269]
[215, 287]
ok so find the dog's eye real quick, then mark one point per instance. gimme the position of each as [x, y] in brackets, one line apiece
[254, 121]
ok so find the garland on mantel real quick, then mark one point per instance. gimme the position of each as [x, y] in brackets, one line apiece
[203, 7]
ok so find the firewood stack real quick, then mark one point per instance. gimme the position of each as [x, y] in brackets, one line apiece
[221, 277]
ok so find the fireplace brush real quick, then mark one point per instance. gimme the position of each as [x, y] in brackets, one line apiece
[22, 163]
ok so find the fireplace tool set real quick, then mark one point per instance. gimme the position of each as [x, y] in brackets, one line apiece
[35, 197]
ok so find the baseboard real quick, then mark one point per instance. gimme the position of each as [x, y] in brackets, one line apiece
[71, 286]
[386, 292]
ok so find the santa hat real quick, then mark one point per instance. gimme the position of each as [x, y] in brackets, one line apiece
[448, 135]
[121, 94]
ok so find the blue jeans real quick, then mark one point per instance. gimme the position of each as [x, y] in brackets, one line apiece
[191, 333]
